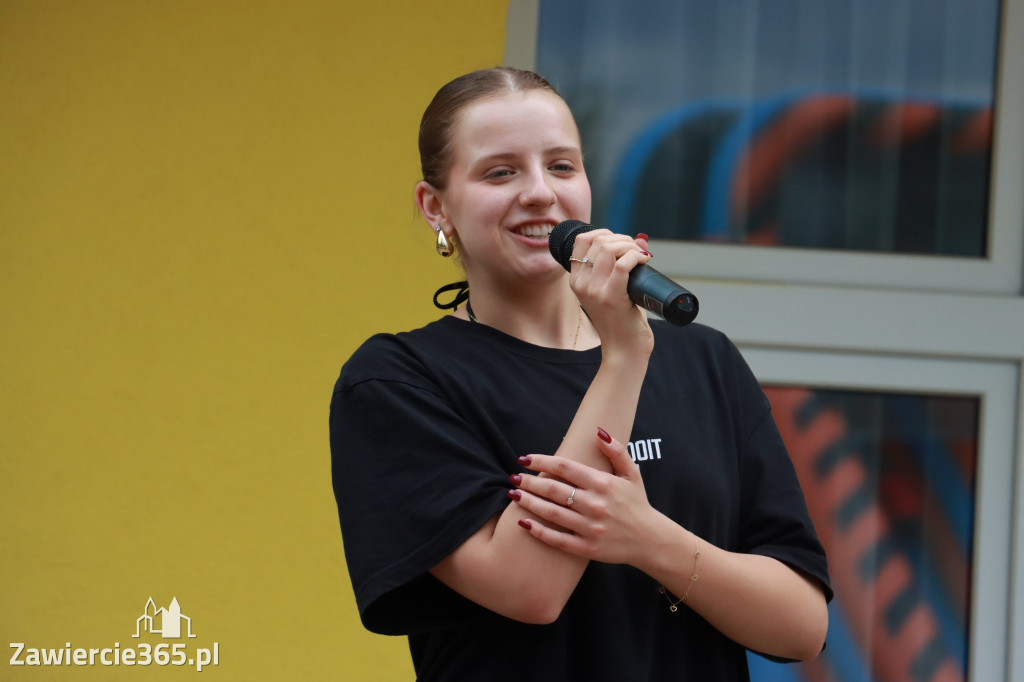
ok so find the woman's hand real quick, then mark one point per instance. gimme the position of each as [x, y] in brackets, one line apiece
[609, 519]
[600, 285]
[756, 600]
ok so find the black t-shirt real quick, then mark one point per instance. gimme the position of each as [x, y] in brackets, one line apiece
[427, 426]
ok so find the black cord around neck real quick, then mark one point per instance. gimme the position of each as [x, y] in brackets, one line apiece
[461, 290]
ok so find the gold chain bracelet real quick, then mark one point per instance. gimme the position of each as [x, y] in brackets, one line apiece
[674, 606]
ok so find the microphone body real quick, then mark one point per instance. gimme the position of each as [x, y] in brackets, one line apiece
[646, 287]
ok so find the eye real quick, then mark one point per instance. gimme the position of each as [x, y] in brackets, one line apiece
[562, 167]
[498, 173]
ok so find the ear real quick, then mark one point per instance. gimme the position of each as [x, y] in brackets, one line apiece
[429, 202]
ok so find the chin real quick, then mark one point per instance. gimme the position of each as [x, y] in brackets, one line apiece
[549, 271]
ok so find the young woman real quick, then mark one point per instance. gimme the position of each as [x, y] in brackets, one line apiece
[544, 485]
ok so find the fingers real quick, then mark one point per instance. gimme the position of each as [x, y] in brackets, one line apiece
[567, 542]
[583, 510]
[555, 514]
[602, 261]
[585, 240]
[597, 252]
[622, 464]
[580, 475]
[572, 487]
[559, 499]
[560, 493]
[566, 470]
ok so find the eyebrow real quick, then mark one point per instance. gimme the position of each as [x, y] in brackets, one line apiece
[547, 152]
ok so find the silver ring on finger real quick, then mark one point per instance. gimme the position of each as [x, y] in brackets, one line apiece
[568, 503]
[585, 260]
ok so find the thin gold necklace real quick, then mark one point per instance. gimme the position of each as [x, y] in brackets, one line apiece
[579, 320]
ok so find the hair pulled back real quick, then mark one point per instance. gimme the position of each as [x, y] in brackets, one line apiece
[443, 112]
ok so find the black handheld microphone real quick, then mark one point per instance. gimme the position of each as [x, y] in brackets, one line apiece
[646, 287]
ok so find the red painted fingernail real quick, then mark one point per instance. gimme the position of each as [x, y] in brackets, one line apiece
[525, 523]
[525, 460]
[648, 253]
[641, 235]
[603, 435]
[514, 495]
[515, 479]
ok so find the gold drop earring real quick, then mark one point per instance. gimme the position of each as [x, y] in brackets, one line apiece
[444, 247]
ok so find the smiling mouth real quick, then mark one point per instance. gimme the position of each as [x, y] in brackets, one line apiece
[535, 231]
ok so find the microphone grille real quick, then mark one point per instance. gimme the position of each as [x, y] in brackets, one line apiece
[563, 238]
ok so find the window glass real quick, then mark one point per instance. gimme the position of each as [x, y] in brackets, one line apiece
[857, 125]
[890, 485]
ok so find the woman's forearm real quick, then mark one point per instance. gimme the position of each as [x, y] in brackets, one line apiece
[755, 600]
[505, 569]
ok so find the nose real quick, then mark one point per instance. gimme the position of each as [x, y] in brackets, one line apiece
[537, 190]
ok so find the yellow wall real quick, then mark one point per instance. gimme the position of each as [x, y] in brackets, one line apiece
[205, 206]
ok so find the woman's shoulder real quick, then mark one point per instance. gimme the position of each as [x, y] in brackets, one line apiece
[699, 351]
[386, 343]
[707, 356]
[692, 337]
[396, 356]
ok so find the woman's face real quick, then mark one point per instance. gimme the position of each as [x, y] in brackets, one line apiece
[517, 171]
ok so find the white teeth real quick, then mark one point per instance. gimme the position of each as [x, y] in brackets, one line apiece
[535, 230]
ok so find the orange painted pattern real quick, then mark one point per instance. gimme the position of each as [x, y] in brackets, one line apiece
[867, 598]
